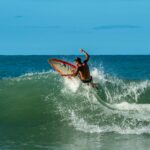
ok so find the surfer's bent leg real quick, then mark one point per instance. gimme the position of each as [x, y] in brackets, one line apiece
[89, 82]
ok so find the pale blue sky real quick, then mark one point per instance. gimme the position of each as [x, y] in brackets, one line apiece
[64, 26]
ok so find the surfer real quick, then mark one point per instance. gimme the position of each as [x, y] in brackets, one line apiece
[83, 69]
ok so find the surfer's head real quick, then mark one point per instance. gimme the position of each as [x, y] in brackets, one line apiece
[78, 60]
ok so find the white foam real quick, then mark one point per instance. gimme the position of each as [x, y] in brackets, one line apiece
[30, 75]
[134, 106]
[118, 90]
[128, 122]
[81, 125]
[133, 90]
[98, 75]
[71, 84]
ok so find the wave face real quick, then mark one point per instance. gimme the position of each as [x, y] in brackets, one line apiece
[43, 98]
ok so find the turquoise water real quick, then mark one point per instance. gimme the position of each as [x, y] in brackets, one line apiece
[41, 110]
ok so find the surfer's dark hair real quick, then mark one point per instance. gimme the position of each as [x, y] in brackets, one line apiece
[78, 59]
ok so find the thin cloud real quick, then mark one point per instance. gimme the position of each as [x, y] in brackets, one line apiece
[110, 27]
[18, 16]
[43, 27]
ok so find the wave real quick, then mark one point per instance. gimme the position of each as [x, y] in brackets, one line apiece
[38, 98]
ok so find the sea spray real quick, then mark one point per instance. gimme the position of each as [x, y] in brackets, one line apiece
[42, 97]
[97, 117]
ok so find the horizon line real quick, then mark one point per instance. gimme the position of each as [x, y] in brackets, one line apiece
[74, 55]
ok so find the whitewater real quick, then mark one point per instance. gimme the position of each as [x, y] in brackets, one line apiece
[41, 102]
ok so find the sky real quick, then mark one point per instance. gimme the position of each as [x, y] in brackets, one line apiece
[48, 27]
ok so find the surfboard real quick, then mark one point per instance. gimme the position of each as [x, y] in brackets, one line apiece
[62, 67]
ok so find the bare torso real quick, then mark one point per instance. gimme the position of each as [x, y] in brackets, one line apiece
[84, 71]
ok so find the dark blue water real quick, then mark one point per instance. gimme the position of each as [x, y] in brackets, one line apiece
[125, 67]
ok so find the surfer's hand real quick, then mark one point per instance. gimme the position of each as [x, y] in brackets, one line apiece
[81, 50]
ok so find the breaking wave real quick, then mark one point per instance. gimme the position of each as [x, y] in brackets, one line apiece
[120, 106]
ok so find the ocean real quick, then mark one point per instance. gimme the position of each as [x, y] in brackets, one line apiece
[40, 110]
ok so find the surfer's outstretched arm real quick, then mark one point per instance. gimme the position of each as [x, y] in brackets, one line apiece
[86, 55]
